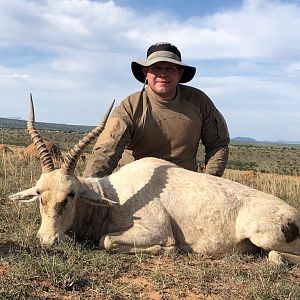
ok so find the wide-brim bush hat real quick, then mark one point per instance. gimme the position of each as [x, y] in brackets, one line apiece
[162, 52]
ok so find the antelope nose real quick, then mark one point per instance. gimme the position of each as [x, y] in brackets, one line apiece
[49, 240]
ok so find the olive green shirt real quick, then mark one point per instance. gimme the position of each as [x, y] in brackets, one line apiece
[143, 126]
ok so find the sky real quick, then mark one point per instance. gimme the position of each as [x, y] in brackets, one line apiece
[74, 57]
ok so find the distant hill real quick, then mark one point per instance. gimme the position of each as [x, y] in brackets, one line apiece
[244, 139]
[249, 140]
[20, 124]
[288, 142]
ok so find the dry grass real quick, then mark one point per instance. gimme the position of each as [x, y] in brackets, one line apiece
[80, 271]
[286, 187]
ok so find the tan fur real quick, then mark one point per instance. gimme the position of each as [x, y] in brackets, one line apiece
[31, 152]
[5, 149]
[160, 207]
[249, 174]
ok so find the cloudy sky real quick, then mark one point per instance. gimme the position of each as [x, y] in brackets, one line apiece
[74, 56]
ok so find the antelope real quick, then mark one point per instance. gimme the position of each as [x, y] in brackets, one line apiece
[5, 149]
[31, 151]
[152, 205]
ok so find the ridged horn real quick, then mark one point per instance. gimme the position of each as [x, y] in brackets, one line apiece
[73, 155]
[44, 154]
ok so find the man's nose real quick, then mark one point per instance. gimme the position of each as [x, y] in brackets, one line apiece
[163, 72]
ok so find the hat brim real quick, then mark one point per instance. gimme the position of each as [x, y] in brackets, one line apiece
[137, 69]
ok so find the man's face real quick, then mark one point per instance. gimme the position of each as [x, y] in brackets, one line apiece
[162, 78]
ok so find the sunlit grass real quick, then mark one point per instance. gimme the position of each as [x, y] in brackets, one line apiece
[285, 187]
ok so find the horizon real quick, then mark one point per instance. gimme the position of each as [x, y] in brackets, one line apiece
[237, 138]
[74, 56]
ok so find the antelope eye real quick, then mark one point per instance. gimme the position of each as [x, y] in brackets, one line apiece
[42, 202]
[61, 206]
[71, 194]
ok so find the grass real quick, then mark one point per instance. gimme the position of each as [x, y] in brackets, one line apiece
[74, 270]
[280, 159]
[284, 160]
[285, 187]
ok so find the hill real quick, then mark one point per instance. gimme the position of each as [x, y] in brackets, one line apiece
[21, 124]
[251, 141]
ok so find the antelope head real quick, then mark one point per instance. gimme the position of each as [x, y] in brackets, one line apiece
[57, 190]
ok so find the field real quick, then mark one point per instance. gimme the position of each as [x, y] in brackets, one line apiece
[74, 270]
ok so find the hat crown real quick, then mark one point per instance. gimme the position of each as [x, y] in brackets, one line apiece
[164, 47]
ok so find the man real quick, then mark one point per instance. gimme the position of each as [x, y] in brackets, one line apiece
[165, 119]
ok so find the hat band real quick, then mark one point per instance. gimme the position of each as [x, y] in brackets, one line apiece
[163, 54]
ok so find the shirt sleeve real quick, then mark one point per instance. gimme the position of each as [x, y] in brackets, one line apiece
[110, 145]
[215, 138]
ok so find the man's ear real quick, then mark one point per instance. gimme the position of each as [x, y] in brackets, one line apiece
[181, 71]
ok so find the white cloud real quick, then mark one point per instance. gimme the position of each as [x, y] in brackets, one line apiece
[261, 29]
[293, 69]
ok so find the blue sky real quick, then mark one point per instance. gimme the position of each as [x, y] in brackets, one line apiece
[74, 56]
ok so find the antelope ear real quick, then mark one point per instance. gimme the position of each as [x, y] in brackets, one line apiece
[95, 199]
[28, 195]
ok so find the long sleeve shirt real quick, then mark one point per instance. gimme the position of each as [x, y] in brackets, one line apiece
[143, 126]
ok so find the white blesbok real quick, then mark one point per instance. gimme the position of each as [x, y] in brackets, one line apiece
[151, 205]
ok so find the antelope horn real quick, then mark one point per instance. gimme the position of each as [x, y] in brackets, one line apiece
[44, 154]
[73, 155]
